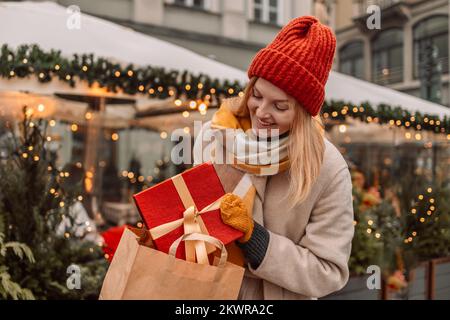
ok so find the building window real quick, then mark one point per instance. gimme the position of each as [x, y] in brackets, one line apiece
[387, 57]
[266, 11]
[431, 31]
[200, 4]
[351, 59]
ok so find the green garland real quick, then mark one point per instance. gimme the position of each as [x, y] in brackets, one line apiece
[386, 114]
[30, 60]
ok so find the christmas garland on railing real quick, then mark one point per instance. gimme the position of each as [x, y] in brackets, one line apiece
[157, 82]
[30, 60]
[386, 114]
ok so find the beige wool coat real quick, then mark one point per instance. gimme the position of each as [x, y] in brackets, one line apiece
[309, 247]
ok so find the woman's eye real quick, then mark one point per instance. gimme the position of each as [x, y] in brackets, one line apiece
[281, 108]
[256, 96]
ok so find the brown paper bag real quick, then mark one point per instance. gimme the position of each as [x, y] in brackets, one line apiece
[138, 272]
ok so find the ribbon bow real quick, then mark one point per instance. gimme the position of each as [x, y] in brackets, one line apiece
[196, 250]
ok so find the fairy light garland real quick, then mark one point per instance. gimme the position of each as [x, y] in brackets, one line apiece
[31, 60]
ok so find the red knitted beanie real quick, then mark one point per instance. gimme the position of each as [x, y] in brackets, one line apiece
[299, 61]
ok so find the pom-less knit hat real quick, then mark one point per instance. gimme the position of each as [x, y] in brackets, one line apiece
[299, 61]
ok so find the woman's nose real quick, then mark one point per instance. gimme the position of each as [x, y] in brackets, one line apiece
[262, 111]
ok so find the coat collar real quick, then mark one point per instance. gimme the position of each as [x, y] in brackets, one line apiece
[260, 185]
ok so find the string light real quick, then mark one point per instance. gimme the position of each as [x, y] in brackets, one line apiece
[88, 116]
[192, 104]
[115, 137]
[74, 127]
[342, 128]
[41, 107]
[185, 114]
[202, 107]
[178, 103]
[163, 135]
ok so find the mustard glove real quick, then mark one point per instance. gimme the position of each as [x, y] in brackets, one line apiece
[234, 213]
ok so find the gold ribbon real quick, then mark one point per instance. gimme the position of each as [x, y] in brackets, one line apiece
[196, 250]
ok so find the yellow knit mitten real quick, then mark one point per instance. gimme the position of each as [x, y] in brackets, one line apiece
[234, 213]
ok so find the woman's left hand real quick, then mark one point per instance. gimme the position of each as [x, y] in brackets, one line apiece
[234, 213]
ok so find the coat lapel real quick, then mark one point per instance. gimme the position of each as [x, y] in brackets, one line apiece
[259, 182]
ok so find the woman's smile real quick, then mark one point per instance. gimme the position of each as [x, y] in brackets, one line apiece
[265, 124]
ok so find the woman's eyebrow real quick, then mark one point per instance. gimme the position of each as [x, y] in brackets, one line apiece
[280, 100]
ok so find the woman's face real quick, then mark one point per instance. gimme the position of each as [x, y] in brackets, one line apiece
[272, 111]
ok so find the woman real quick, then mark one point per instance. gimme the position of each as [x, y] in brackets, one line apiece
[298, 233]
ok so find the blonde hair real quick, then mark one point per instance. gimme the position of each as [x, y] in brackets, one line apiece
[306, 148]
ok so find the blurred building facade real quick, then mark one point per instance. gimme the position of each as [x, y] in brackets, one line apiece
[408, 53]
[228, 31]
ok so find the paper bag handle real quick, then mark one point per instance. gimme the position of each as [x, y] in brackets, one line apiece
[201, 237]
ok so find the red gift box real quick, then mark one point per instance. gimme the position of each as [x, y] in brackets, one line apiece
[163, 204]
